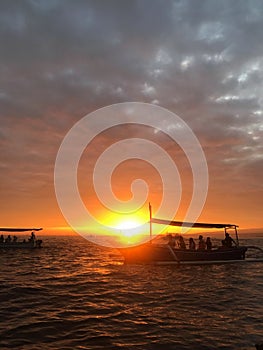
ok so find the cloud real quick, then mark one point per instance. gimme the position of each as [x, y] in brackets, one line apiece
[63, 59]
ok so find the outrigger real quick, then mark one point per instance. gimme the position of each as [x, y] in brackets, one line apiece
[10, 243]
[164, 253]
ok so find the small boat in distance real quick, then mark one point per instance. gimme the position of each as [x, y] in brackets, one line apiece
[165, 253]
[13, 242]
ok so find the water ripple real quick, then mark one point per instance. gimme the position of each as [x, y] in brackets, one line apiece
[74, 295]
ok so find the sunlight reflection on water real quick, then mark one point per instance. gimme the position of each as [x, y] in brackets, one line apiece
[72, 294]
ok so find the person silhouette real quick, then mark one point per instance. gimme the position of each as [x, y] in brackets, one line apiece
[227, 242]
[201, 243]
[208, 244]
[191, 244]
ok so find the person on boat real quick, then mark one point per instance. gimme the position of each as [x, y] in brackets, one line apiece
[2, 239]
[171, 240]
[208, 244]
[228, 241]
[32, 237]
[181, 243]
[8, 239]
[191, 244]
[201, 243]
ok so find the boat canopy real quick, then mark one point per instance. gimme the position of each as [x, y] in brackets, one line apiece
[11, 229]
[190, 224]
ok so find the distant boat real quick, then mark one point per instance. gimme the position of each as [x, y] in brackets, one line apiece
[164, 253]
[13, 243]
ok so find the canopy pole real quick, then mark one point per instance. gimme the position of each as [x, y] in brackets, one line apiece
[150, 213]
[236, 236]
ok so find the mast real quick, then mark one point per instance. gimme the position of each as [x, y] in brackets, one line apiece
[236, 235]
[150, 213]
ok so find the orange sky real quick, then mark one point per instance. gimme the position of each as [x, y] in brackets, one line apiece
[28, 197]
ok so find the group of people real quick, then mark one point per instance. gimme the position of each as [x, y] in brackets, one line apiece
[202, 243]
[13, 239]
[8, 239]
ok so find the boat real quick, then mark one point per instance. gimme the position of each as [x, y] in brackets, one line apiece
[163, 253]
[9, 243]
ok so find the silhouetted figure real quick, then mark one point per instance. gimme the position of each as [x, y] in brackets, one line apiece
[32, 237]
[171, 240]
[201, 243]
[2, 239]
[14, 239]
[227, 242]
[8, 239]
[208, 244]
[191, 244]
[181, 243]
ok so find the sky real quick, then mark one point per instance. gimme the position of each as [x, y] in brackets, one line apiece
[61, 60]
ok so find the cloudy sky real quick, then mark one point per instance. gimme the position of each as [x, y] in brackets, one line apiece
[60, 60]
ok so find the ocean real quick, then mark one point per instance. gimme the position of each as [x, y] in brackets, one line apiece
[73, 294]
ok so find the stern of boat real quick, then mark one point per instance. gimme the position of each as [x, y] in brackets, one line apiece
[147, 253]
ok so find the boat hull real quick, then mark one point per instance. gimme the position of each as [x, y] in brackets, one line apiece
[152, 253]
[22, 245]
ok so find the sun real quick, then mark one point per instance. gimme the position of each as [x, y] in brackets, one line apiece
[130, 230]
[124, 222]
[127, 224]
[126, 228]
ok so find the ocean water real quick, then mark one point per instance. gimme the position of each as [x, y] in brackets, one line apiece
[75, 295]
